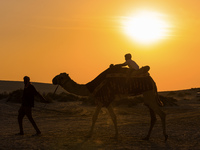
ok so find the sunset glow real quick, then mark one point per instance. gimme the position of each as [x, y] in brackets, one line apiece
[146, 27]
[82, 38]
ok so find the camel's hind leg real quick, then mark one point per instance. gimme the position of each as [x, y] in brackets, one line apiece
[114, 119]
[153, 121]
[94, 119]
[163, 118]
[151, 102]
[162, 115]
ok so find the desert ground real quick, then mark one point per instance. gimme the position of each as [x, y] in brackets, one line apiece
[65, 125]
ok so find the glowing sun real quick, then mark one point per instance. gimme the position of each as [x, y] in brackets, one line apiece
[146, 27]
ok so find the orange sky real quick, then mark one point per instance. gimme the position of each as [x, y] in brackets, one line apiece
[44, 38]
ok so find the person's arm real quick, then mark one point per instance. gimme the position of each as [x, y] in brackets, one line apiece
[36, 93]
[121, 65]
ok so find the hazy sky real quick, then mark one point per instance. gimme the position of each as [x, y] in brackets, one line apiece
[42, 38]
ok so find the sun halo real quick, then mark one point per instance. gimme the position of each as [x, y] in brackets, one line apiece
[146, 27]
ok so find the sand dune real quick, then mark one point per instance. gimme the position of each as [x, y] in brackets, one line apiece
[64, 126]
[9, 86]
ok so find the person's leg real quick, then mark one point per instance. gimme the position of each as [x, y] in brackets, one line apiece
[29, 115]
[21, 114]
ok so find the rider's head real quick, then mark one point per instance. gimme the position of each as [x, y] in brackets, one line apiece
[128, 56]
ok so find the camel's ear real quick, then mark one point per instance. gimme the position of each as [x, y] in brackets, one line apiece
[64, 73]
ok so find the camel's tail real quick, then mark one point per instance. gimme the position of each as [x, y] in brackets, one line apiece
[160, 103]
[158, 100]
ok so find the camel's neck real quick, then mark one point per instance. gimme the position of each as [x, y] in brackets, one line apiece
[78, 89]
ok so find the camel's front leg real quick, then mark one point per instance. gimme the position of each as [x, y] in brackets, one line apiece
[153, 121]
[94, 119]
[114, 119]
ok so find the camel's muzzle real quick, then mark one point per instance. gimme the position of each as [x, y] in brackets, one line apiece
[54, 81]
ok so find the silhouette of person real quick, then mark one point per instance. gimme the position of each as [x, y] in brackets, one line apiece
[27, 104]
[129, 62]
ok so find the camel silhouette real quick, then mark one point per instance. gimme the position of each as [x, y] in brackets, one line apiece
[114, 81]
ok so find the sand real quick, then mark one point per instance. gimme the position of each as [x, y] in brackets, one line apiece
[65, 125]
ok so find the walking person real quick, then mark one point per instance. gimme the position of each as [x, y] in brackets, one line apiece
[27, 104]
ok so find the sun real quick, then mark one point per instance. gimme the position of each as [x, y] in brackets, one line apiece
[146, 27]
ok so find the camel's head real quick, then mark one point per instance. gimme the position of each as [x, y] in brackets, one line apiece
[61, 79]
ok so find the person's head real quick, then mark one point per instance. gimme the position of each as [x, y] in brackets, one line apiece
[128, 56]
[26, 80]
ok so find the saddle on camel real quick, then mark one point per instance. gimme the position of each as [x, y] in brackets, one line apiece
[134, 83]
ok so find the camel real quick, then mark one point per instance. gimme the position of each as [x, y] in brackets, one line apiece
[104, 88]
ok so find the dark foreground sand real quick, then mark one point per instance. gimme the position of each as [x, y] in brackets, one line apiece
[65, 125]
